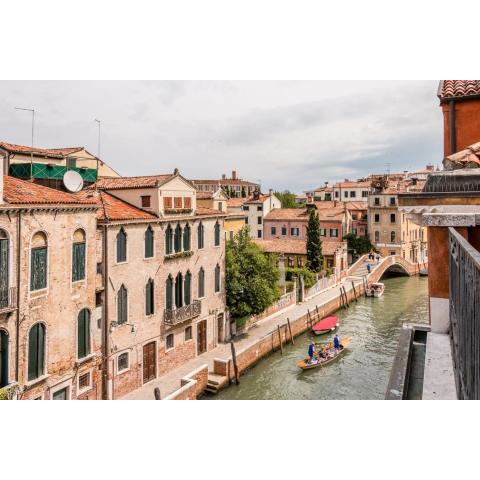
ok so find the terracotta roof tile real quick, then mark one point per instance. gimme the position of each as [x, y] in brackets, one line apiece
[458, 88]
[48, 152]
[226, 181]
[208, 211]
[235, 202]
[119, 183]
[357, 205]
[292, 246]
[112, 208]
[467, 158]
[352, 184]
[287, 214]
[22, 192]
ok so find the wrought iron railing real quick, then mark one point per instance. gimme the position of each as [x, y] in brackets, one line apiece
[182, 314]
[465, 315]
[8, 298]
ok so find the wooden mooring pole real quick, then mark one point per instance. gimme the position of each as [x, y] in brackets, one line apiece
[280, 338]
[156, 392]
[290, 331]
[235, 366]
[354, 291]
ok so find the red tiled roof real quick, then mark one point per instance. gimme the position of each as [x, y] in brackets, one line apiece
[467, 158]
[287, 214]
[458, 88]
[48, 152]
[298, 247]
[252, 200]
[208, 211]
[112, 208]
[235, 202]
[357, 205]
[119, 183]
[332, 215]
[226, 181]
[21, 192]
[352, 184]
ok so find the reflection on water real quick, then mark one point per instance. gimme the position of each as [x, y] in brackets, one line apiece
[362, 372]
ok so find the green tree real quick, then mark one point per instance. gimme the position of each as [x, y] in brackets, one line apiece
[251, 276]
[287, 199]
[314, 244]
[358, 245]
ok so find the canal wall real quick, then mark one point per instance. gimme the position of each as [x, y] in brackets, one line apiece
[192, 385]
[264, 346]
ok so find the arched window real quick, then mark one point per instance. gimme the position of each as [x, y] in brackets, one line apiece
[179, 290]
[38, 262]
[4, 260]
[83, 335]
[149, 242]
[392, 236]
[186, 238]
[149, 298]
[122, 305]
[78, 256]
[217, 234]
[121, 246]
[201, 235]
[201, 283]
[169, 293]
[3, 358]
[36, 351]
[168, 240]
[377, 236]
[187, 289]
[178, 238]
[217, 278]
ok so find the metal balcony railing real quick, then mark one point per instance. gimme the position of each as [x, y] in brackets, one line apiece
[183, 314]
[8, 299]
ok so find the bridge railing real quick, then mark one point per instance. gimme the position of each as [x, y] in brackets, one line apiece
[464, 268]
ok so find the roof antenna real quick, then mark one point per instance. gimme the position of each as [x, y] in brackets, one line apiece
[33, 130]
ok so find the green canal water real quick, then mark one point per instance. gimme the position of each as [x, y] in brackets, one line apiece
[362, 372]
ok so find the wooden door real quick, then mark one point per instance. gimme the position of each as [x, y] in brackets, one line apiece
[149, 362]
[201, 337]
[220, 328]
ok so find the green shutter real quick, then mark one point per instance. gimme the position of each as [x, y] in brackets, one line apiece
[121, 246]
[78, 261]
[200, 235]
[168, 241]
[122, 307]
[169, 293]
[178, 238]
[149, 298]
[217, 234]
[186, 238]
[38, 274]
[187, 292]
[36, 351]
[201, 283]
[149, 243]
[83, 333]
[217, 278]
[178, 291]
[3, 358]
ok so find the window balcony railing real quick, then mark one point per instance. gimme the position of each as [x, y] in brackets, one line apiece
[8, 299]
[183, 314]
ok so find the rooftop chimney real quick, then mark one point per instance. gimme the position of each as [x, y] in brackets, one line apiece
[234, 174]
[224, 177]
[430, 168]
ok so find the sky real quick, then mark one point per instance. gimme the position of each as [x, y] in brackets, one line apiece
[291, 135]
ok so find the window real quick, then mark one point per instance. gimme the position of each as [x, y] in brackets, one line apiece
[392, 201]
[354, 231]
[336, 194]
[294, 232]
[353, 194]
[179, 290]
[231, 234]
[178, 202]
[78, 256]
[334, 232]
[299, 262]
[217, 234]
[200, 236]
[39, 268]
[83, 333]
[169, 341]
[71, 162]
[186, 238]
[188, 334]
[177, 239]
[146, 201]
[259, 220]
[187, 289]
[364, 194]
[122, 305]
[150, 297]
[123, 362]
[3, 358]
[284, 231]
[4, 260]
[169, 293]
[392, 237]
[354, 216]
[187, 202]
[36, 351]
[98, 299]
[273, 230]
[376, 218]
[121, 246]
[246, 220]
[99, 268]
[291, 262]
[220, 206]
[377, 201]
[217, 278]
[393, 218]
[168, 241]
[167, 203]
[84, 381]
[259, 208]
[246, 208]
[377, 236]
[149, 242]
[323, 232]
[201, 283]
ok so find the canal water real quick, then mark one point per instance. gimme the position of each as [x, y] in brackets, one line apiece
[362, 372]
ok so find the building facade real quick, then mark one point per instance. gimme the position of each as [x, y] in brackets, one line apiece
[256, 209]
[233, 186]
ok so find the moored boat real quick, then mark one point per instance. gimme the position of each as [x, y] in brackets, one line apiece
[330, 356]
[375, 290]
[326, 325]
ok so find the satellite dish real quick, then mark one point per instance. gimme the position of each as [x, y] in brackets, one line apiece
[73, 181]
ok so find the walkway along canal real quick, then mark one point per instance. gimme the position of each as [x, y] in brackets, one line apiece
[363, 372]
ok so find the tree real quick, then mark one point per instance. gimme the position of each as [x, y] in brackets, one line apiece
[251, 276]
[314, 244]
[287, 200]
[358, 245]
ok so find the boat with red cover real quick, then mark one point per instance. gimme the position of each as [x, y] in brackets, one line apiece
[326, 325]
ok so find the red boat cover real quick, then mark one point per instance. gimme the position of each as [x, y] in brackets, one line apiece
[325, 324]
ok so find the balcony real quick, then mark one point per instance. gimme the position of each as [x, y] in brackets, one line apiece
[50, 171]
[183, 314]
[8, 299]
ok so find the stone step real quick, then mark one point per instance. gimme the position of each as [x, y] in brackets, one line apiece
[215, 379]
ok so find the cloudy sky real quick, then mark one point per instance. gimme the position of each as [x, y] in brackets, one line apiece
[288, 134]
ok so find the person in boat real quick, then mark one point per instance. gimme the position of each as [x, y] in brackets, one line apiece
[311, 352]
[336, 343]
[368, 268]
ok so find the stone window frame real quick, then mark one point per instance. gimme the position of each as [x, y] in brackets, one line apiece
[89, 354]
[45, 290]
[117, 357]
[83, 229]
[80, 390]
[45, 354]
[167, 348]
[149, 227]
[121, 262]
[185, 339]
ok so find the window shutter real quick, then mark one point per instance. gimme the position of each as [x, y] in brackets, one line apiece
[186, 238]
[3, 267]
[169, 293]
[78, 261]
[38, 274]
[217, 279]
[200, 235]
[187, 293]
[178, 238]
[33, 353]
[149, 298]
[121, 246]
[201, 283]
[217, 234]
[149, 243]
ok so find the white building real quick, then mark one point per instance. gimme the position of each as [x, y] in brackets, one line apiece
[255, 210]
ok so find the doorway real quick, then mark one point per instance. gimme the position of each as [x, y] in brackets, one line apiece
[149, 362]
[220, 334]
[201, 337]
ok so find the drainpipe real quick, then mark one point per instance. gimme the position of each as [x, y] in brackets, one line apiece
[17, 339]
[105, 316]
[453, 126]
